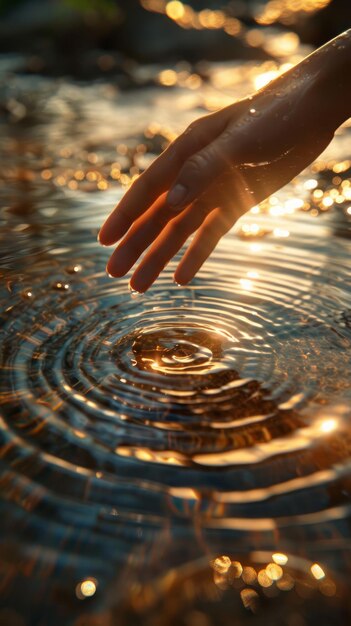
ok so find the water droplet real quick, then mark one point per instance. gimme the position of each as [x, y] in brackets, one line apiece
[254, 113]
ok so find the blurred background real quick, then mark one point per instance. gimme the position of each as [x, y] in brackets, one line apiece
[85, 38]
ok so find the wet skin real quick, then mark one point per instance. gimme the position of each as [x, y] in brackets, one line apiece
[225, 163]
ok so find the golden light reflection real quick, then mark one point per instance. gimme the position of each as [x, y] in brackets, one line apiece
[261, 80]
[274, 571]
[86, 589]
[46, 174]
[285, 10]
[187, 17]
[236, 569]
[269, 576]
[310, 184]
[246, 284]
[249, 598]
[221, 564]
[167, 78]
[263, 579]
[328, 425]
[282, 45]
[256, 248]
[327, 202]
[102, 185]
[279, 558]
[250, 229]
[175, 10]
[317, 571]
[281, 232]
[249, 575]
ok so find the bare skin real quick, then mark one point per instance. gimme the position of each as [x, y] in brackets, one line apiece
[225, 163]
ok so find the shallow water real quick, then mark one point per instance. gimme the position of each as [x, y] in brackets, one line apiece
[142, 439]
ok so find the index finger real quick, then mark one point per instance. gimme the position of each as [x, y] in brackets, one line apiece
[155, 180]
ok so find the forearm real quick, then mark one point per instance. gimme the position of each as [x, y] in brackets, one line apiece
[317, 91]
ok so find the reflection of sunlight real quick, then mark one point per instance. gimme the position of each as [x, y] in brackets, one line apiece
[274, 571]
[284, 10]
[246, 284]
[311, 183]
[263, 79]
[256, 247]
[252, 229]
[283, 44]
[317, 571]
[270, 574]
[279, 558]
[167, 77]
[175, 10]
[281, 232]
[86, 589]
[328, 425]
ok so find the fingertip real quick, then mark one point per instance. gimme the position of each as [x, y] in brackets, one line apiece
[136, 288]
[181, 281]
[102, 238]
[113, 272]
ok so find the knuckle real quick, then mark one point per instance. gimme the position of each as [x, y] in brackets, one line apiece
[226, 137]
[198, 162]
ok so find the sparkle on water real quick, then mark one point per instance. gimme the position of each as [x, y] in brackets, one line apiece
[183, 455]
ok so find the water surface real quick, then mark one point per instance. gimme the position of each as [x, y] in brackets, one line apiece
[181, 457]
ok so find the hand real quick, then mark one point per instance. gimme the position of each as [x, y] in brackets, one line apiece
[215, 171]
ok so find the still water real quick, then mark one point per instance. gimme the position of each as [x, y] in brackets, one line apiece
[181, 457]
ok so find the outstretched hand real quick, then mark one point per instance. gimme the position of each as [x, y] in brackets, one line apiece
[215, 171]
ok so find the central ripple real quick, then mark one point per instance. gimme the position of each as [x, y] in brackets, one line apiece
[178, 349]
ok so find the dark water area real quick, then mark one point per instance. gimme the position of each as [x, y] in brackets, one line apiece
[181, 457]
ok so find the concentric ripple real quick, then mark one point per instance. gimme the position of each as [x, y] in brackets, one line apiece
[215, 403]
[162, 452]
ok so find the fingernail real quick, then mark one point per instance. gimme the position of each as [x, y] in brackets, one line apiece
[177, 195]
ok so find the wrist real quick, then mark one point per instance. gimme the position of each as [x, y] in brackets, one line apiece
[332, 86]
